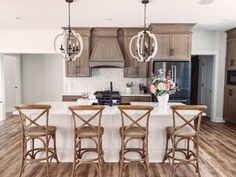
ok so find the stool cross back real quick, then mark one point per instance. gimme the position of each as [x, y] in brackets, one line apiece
[134, 130]
[188, 130]
[87, 130]
[33, 131]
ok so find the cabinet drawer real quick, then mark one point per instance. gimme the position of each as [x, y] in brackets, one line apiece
[71, 98]
[128, 99]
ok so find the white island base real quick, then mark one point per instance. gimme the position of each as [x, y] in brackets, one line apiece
[61, 117]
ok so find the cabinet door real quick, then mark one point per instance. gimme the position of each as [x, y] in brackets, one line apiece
[180, 47]
[133, 68]
[164, 42]
[231, 54]
[80, 67]
[229, 104]
[128, 99]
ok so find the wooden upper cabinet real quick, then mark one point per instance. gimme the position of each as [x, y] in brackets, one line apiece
[133, 68]
[180, 47]
[230, 90]
[174, 41]
[231, 54]
[80, 67]
[164, 45]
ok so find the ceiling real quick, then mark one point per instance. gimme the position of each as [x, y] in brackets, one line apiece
[219, 15]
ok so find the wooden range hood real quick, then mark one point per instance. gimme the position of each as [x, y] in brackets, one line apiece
[106, 51]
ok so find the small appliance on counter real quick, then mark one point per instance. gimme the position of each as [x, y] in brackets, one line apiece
[108, 97]
[142, 89]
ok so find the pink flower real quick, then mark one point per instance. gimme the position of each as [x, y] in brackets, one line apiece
[167, 87]
[153, 89]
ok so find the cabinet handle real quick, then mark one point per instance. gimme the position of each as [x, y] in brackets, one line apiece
[172, 51]
[231, 62]
[230, 92]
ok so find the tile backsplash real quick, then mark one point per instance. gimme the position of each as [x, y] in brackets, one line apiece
[100, 80]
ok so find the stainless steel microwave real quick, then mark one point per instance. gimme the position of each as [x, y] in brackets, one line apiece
[231, 77]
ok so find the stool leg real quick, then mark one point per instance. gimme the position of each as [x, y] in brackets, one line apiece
[23, 157]
[165, 155]
[99, 157]
[197, 156]
[46, 148]
[188, 152]
[101, 152]
[173, 157]
[74, 162]
[146, 155]
[55, 147]
[121, 158]
[33, 156]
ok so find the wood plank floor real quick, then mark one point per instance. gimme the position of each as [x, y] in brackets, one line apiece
[218, 156]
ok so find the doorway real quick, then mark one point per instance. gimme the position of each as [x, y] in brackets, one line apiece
[12, 81]
[202, 81]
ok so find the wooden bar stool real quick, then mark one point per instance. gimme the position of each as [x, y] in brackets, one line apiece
[88, 129]
[33, 131]
[186, 132]
[135, 129]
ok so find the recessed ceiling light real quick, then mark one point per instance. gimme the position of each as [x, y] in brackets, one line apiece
[108, 19]
[205, 2]
[19, 18]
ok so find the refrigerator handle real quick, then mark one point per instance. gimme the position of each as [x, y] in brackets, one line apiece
[175, 73]
[172, 72]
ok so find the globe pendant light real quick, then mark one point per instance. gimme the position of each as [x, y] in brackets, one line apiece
[146, 45]
[69, 43]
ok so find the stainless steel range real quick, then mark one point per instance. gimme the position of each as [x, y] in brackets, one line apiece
[108, 97]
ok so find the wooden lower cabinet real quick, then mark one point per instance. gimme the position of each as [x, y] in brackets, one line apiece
[128, 99]
[71, 98]
[229, 103]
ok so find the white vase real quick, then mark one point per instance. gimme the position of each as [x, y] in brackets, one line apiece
[163, 101]
[128, 90]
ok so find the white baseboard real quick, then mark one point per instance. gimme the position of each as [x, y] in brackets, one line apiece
[10, 109]
[218, 120]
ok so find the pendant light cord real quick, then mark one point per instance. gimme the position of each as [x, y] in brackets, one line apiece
[145, 9]
[69, 16]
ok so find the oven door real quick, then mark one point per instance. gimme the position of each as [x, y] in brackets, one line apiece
[231, 80]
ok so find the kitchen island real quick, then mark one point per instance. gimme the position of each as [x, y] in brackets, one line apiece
[61, 117]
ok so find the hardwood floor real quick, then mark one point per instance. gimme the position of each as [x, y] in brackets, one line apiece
[218, 156]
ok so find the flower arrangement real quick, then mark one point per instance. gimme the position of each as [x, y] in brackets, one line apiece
[163, 84]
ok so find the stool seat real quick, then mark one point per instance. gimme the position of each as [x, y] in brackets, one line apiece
[134, 131]
[89, 131]
[40, 131]
[185, 131]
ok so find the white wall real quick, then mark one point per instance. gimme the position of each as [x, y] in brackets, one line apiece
[27, 41]
[213, 43]
[42, 77]
[2, 90]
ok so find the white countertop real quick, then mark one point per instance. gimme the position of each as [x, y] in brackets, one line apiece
[61, 108]
[71, 94]
[135, 94]
[121, 93]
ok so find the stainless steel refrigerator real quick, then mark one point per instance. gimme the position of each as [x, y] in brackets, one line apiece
[181, 75]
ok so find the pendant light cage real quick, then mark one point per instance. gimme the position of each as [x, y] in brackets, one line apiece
[69, 43]
[143, 46]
